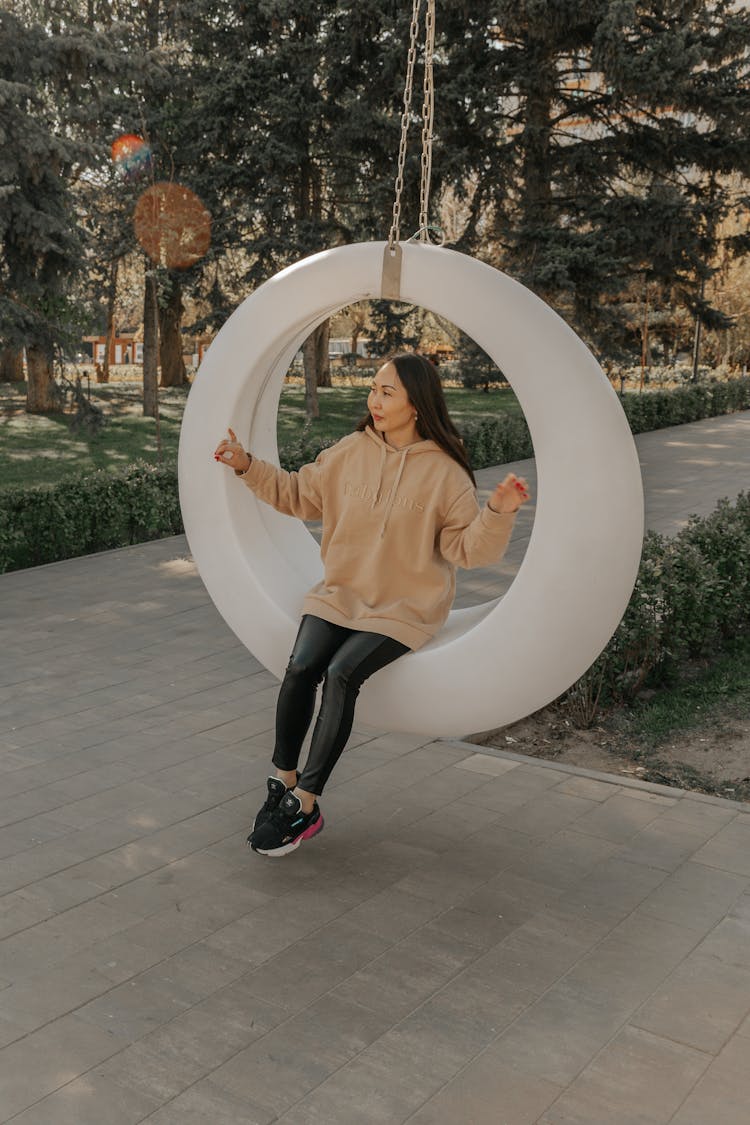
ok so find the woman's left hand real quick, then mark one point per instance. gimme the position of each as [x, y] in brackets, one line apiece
[509, 495]
[232, 454]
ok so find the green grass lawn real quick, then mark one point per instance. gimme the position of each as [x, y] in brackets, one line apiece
[714, 703]
[342, 407]
[37, 449]
[720, 690]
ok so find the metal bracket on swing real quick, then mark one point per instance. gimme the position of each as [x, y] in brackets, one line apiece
[390, 282]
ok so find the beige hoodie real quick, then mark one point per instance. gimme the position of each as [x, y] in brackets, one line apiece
[396, 524]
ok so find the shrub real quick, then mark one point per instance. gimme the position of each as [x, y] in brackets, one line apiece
[84, 514]
[691, 598]
[304, 449]
[655, 409]
[497, 440]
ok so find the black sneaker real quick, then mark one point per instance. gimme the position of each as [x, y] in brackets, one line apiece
[276, 790]
[286, 827]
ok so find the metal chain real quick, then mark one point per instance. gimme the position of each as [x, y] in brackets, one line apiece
[411, 59]
[428, 113]
[428, 116]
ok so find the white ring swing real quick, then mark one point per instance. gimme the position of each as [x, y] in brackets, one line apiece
[492, 664]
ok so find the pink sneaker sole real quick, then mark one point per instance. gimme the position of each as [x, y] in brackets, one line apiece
[308, 834]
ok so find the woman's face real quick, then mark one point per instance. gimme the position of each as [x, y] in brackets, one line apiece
[388, 402]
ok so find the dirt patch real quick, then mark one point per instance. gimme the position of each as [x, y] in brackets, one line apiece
[713, 759]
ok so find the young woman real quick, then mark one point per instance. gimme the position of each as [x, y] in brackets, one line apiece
[397, 500]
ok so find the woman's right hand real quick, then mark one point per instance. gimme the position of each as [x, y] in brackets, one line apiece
[231, 454]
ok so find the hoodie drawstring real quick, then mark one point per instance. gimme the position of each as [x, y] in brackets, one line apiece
[376, 493]
[392, 497]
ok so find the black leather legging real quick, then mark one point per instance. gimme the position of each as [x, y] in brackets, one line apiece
[345, 657]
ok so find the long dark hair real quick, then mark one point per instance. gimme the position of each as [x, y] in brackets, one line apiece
[422, 384]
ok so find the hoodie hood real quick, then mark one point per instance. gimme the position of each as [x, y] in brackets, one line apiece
[424, 445]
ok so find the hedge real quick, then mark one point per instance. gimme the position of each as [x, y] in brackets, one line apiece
[95, 512]
[506, 437]
[87, 513]
[691, 600]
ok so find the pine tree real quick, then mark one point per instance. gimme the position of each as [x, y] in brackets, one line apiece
[40, 244]
[49, 107]
[295, 128]
[606, 118]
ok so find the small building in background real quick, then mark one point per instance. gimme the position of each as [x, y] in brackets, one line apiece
[340, 351]
[127, 348]
[124, 348]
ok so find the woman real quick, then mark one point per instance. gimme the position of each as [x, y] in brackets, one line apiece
[399, 512]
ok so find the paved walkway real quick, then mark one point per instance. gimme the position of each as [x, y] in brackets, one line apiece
[476, 938]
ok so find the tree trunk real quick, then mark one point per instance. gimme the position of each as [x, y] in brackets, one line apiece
[11, 365]
[150, 347]
[538, 93]
[645, 341]
[697, 336]
[309, 361]
[173, 373]
[40, 390]
[110, 335]
[322, 337]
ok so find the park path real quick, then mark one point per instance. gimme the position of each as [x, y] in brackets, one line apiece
[685, 470]
[476, 937]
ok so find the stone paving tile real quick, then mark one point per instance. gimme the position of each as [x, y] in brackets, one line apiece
[90, 1100]
[178, 1054]
[331, 954]
[667, 845]
[700, 1004]
[513, 789]
[698, 812]
[205, 1102]
[612, 889]
[618, 818]
[560, 1034]
[654, 934]
[562, 859]
[48, 995]
[729, 848]
[638, 1079]
[589, 788]
[481, 763]
[729, 941]
[136, 1007]
[443, 830]
[548, 813]
[10, 1032]
[694, 896]
[18, 912]
[510, 897]
[481, 930]
[488, 1093]
[379, 1087]
[407, 974]
[287, 1063]
[462, 1018]
[40, 1063]
[393, 915]
[722, 1094]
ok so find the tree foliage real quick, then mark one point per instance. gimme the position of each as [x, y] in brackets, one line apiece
[598, 149]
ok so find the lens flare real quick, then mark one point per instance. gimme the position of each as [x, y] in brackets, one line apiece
[172, 225]
[131, 155]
